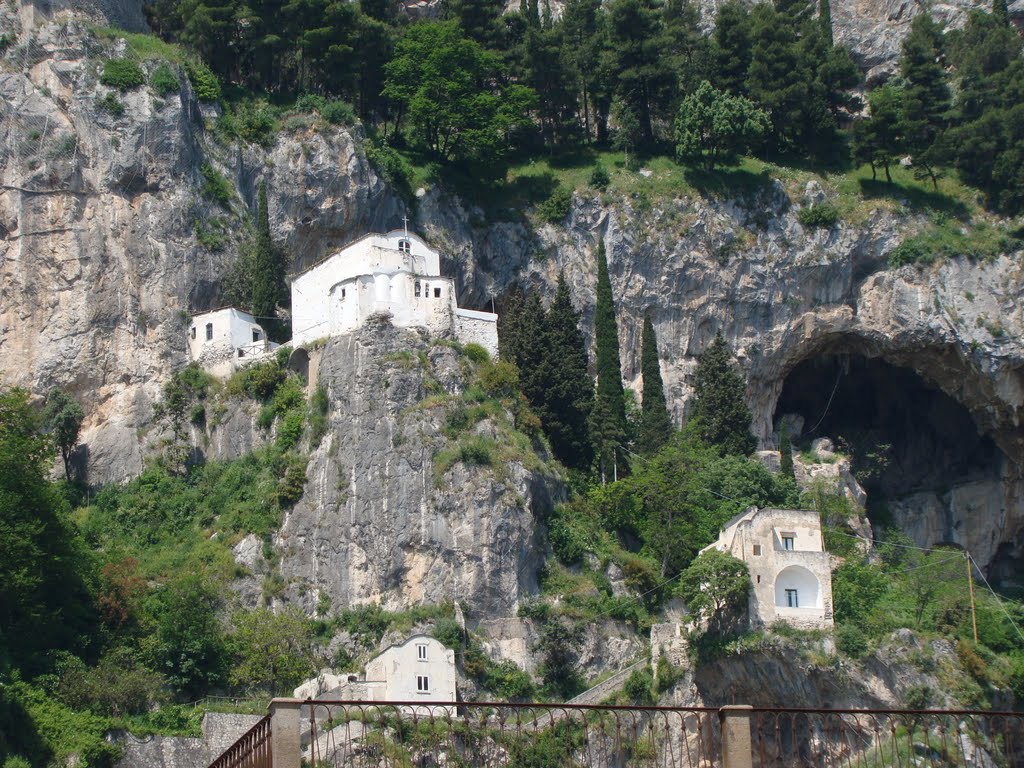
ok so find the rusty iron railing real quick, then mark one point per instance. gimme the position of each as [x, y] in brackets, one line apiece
[886, 738]
[353, 734]
[252, 750]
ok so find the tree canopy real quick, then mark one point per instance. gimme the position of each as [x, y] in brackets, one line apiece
[720, 412]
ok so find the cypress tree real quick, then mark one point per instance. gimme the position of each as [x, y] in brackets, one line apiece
[510, 326]
[531, 353]
[786, 452]
[610, 409]
[655, 423]
[721, 414]
[568, 389]
[268, 266]
[825, 19]
[1001, 12]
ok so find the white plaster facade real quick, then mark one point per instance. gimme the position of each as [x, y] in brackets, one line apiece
[224, 339]
[790, 571]
[395, 274]
[417, 669]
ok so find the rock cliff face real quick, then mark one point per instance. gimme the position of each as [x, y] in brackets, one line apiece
[99, 264]
[99, 259]
[379, 522]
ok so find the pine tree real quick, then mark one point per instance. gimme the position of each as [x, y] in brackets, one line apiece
[879, 139]
[732, 46]
[655, 423]
[610, 408]
[926, 96]
[719, 409]
[786, 452]
[268, 267]
[568, 388]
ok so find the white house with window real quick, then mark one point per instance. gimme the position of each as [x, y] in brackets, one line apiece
[224, 339]
[790, 571]
[417, 669]
[394, 275]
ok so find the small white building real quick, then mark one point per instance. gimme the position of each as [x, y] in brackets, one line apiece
[790, 571]
[417, 669]
[395, 275]
[224, 339]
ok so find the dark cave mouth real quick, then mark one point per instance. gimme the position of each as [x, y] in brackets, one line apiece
[865, 403]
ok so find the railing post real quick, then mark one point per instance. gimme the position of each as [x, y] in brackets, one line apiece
[285, 722]
[737, 749]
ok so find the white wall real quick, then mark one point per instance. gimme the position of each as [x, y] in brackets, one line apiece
[232, 331]
[400, 665]
[481, 328]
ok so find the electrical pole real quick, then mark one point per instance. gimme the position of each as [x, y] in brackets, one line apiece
[970, 581]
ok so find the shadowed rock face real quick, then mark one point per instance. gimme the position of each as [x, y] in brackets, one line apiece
[377, 522]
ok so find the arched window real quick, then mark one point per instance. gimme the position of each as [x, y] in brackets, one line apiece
[405, 246]
[416, 290]
[209, 331]
[797, 587]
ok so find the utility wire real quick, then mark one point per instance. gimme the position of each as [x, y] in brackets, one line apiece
[998, 600]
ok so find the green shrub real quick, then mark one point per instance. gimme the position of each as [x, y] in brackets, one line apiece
[478, 452]
[215, 186]
[289, 431]
[599, 177]
[339, 112]
[823, 215]
[111, 105]
[850, 640]
[292, 485]
[164, 81]
[211, 234]
[556, 207]
[639, 687]
[204, 82]
[476, 353]
[256, 123]
[448, 632]
[319, 407]
[123, 74]
[392, 167]
[500, 380]
[508, 681]
[913, 250]
[16, 761]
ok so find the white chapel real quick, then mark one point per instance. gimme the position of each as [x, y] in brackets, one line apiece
[394, 275]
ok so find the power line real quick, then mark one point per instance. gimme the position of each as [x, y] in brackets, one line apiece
[997, 599]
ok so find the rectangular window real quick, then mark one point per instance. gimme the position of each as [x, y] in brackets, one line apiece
[421, 652]
[757, 550]
[437, 293]
[422, 684]
[343, 293]
[792, 601]
[209, 331]
[193, 331]
[417, 291]
[256, 335]
[787, 542]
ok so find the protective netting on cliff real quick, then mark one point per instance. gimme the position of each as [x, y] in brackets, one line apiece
[57, 118]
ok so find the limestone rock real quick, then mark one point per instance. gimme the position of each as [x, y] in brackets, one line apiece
[378, 523]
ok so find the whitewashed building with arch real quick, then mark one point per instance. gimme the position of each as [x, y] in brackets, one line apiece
[397, 276]
[790, 571]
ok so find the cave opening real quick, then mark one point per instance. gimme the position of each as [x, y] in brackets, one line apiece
[902, 434]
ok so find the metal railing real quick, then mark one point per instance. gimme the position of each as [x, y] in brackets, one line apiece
[252, 750]
[353, 734]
